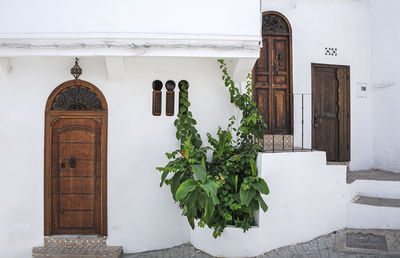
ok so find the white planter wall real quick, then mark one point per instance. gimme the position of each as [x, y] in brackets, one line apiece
[308, 199]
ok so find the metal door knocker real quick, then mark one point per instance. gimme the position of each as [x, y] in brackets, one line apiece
[72, 162]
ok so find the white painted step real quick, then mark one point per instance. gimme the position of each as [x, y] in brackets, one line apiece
[374, 183]
[367, 212]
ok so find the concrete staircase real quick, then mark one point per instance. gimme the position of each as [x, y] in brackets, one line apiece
[375, 200]
[76, 247]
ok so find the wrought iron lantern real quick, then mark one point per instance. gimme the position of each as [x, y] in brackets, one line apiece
[76, 70]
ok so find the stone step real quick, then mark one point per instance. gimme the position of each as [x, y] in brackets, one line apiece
[372, 174]
[334, 163]
[374, 201]
[77, 252]
[76, 247]
[367, 212]
[80, 241]
[374, 183]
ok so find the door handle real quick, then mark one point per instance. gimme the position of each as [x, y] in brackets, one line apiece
[316, 120]
[72, 162]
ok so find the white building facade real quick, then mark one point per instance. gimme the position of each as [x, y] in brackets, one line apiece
[124, 46]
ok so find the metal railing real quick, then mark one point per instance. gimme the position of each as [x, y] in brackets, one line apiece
[297, 135]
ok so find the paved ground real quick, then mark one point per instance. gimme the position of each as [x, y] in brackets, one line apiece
[332, 245]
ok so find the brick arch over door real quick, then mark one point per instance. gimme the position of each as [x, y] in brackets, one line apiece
[272, 74]
[75, 168]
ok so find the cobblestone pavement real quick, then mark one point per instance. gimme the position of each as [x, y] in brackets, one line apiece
[331, 245]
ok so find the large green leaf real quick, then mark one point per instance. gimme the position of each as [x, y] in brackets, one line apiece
[200, 172]
[185, 188]
[201, 198]
[236, 197]
[211, 189]
[246, 196]
[163, 176]
[254, 170]
[175, 182]
[190, 201]
[209, 210]
[261, 186]
[191, 221]
[260, 200]
[236, 183]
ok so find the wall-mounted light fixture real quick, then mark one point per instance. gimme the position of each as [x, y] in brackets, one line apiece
[76, 70]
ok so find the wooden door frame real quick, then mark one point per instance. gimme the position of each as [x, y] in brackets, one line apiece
[50, 117]
[289, 35]
[348, 102]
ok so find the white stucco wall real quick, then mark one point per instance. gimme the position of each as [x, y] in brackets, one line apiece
[130, 28]
[141, 216]
[385, 90]
[222, 17]
[340, 24]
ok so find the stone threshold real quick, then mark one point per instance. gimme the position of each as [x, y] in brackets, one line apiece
[76, 247]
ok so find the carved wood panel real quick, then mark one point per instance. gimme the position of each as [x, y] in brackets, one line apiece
[77, 98]
[76, 191]
[274, 23]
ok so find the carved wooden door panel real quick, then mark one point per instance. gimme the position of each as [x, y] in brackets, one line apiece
[76, 177]
[75, 160]
[272, 76]
[331, 111]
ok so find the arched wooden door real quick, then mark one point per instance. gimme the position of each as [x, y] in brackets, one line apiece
[75, 177]
[272, 74]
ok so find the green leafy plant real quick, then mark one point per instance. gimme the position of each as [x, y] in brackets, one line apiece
[224, 190]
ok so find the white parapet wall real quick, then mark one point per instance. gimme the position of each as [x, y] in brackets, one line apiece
[307, 199]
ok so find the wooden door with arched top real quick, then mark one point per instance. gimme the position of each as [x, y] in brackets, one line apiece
[75, 160]
[272, 74]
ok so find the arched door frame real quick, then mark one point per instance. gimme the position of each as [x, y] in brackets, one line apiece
[290, 58]
[51, 116]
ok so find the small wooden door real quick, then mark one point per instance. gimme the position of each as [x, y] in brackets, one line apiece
[331, 111]
[75, 161]
[272, 75]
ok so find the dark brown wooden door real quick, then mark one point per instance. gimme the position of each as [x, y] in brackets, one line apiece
[75, 160]
[272, 76]
[331, 111]
[76, 177]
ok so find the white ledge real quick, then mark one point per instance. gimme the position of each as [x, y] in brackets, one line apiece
[226, 46]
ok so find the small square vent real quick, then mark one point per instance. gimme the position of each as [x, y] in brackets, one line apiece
[331, 51]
